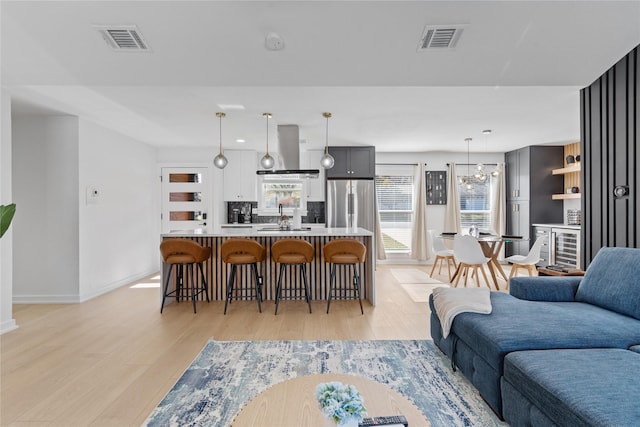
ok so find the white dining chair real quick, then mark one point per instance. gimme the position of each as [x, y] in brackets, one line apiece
[442, 253]
[529, 261]
[469, 255]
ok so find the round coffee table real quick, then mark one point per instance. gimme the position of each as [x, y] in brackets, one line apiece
[293, 403]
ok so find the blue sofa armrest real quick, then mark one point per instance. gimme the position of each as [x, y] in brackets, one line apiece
[545, 288]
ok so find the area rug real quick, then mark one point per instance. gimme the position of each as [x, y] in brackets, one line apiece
[412, 275]
[419, 292]
[227, 375]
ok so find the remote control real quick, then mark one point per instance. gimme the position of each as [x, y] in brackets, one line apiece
[384, 421]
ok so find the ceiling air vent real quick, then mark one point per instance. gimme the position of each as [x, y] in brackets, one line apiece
[123, 38]
[440, 37]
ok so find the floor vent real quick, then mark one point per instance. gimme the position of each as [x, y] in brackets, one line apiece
[440, 37]
[123, 38]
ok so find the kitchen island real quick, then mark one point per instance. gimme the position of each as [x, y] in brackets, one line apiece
[318, 272]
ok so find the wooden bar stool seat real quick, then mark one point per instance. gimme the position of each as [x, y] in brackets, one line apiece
[181, 253]
[292, 252]
[238, 251]
[345, 253]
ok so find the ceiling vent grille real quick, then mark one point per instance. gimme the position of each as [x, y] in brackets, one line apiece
[440, 37]
[123, 38]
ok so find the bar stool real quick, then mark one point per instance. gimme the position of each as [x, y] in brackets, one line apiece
[238, 251]
[344, 252]
[292, 252]
[181, 252]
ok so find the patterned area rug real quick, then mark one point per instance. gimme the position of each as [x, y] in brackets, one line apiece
[227, 375]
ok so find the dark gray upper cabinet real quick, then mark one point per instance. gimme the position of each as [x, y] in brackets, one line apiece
[530, 185]
[352, 163]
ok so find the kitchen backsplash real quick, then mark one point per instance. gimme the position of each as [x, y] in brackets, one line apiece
[315, 213]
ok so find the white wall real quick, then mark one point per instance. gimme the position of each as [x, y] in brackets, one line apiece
[45, 182]
[119, 233]
[66, 250]
[7, 323]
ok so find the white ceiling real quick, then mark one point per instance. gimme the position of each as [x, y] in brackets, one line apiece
[517, 69]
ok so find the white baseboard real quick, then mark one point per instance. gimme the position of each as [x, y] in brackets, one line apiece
[116, 285]
[76, 299]
[7, 326]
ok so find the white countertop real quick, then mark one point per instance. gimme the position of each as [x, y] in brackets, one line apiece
[267, 230]
[573, 227]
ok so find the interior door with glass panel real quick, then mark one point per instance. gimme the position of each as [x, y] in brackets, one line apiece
[185, 198]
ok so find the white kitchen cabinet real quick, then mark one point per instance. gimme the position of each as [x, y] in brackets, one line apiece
[315, 186]
[240, 177]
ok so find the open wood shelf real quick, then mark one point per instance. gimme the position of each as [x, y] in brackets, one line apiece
[568, 169]
[565, 196]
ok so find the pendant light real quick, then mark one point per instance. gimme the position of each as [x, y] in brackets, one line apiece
[220, 161]
[467, 180]
[327, 161]
[267, 162]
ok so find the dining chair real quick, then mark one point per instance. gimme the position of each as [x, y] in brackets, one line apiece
[442, 253]
[528, 261]
[468, 252]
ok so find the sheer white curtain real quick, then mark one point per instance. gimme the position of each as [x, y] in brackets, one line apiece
[380, 252]
[419, 246]
[452, 210]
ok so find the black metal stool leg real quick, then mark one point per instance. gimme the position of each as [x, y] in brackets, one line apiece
[230, 284]
[279, 286]
[303, 271]
[254, 267]
[193, 286]
[356, 282]
[166, 287]
[332, 277]
[204, 282]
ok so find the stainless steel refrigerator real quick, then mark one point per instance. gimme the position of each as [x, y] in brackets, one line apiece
[351, 203]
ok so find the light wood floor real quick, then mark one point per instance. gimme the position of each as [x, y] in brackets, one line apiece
[109, 361]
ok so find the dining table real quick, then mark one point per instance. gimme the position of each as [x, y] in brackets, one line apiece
[491, 245]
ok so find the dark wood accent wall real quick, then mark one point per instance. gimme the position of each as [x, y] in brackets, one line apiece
[610, 135]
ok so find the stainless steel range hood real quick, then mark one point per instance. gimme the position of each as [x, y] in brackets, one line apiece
[289, 152]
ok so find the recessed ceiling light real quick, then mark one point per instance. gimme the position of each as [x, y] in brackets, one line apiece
[231, 106]
[240, 141]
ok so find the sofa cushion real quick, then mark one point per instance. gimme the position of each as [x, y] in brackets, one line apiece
[516, 324]
[578, 387]
[612, 281]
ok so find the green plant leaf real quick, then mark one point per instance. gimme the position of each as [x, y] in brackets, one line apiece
[6, 215]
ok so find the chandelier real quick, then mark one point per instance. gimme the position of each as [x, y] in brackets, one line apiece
[468, 179]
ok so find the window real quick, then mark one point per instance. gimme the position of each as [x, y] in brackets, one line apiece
[475, 203]
[288, 192]
[394, 190]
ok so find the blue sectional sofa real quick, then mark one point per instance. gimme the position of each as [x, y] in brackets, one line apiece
[543, 354]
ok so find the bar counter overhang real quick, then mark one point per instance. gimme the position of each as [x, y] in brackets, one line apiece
[318, 271]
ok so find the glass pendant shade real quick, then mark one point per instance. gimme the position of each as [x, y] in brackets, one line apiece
[327, 161]
[220, 161]
[267, 161]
